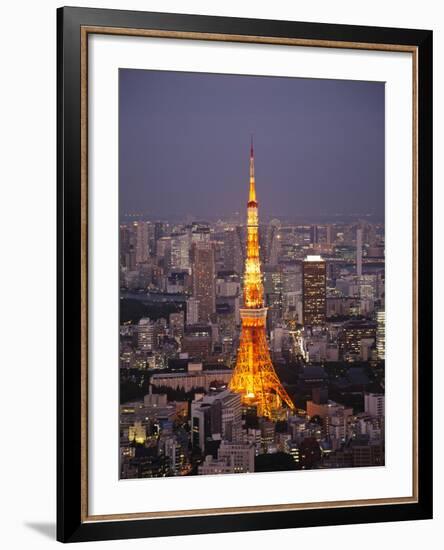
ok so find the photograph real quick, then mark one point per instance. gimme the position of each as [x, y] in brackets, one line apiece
[244, 273]
[251, 274]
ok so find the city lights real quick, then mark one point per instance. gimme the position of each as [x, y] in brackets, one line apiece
[249, 345]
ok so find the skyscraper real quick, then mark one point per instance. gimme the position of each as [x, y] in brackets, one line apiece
[163, 252]
[273, 290]
[254, 376]
[232, 252]
[328, 234]
[272, 243]
[314, 282]
[192, 311]
[314, 235]
[158, 232]
[127, 236]
[145, 334]
[359, 252]
[380, 335]
[204, 285]
[142, 241]
[180, 251]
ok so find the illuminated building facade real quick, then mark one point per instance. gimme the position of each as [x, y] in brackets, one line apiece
[380, 334]
[197, 341]
[352, 334]
[314, 296]
[254, 376]
[180, 255]
[145, 334]
[256, 358]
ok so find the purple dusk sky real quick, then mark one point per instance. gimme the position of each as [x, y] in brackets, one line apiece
[185, 138]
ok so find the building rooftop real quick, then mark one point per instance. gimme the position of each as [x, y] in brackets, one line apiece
[191, 374]
[313, 258]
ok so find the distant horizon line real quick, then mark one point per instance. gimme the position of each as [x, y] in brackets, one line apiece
[349, 218]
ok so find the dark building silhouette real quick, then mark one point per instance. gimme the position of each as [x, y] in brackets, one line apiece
[314, 282]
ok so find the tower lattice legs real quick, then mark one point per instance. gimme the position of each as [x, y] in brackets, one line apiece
[254, 376]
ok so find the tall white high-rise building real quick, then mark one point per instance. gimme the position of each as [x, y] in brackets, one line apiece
[217, 416]
[359, 252]
[380, 335]
[180, 252]
[374, 404]
[142, 241]
[240, 456]
[192, 311]
[145, 334]
[231, 417]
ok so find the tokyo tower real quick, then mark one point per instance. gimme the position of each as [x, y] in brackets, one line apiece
[254, 376]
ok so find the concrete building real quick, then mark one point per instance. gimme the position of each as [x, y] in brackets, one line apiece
[197, 341]
[374, 404]
[192, 311]
[173, 450]
[380, 335]
[189, 380]
[215, 466]
[359, 252]
[335, 417]
[351, 335]
[240, 456]
[232, 459]
[217, 417]
[142, 241]
[203, 272]
[145, 334]
[180, 251]
[177, 323]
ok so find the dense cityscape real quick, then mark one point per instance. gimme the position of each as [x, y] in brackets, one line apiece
[187, 302]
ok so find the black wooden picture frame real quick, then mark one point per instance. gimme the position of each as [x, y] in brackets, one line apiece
[73, 522]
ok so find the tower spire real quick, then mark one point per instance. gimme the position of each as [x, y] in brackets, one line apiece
[252, 194]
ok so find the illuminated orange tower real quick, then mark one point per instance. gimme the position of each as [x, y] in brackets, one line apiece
[254, 376]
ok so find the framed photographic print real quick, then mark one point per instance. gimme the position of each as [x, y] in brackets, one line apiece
[244, 284]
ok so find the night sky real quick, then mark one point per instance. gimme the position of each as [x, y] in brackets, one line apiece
[185, 138]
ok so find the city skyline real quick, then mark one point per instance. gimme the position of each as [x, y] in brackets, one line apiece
[321, 145]
[247, 344]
